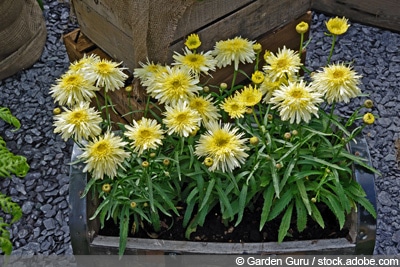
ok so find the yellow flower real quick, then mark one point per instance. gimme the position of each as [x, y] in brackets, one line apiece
[267, 53]
[81, 123]
[286, 63]
[296, 102]
[193, 41]
[147, 71]
[337, 82]
[337, 26]
[145, 134]
[84, 62]
[249, 96]
[197, 62]
[208, 162]
[104, 155]
[181, 119]
[234, 50]
[257, 77]
[107, 74]
[205, 107]
[302, 27]
[234, 107]
[73, 88]
[176, 83]
[223, 145]
[254, 140]
[368, 118]
[268, 87]
[257, 48]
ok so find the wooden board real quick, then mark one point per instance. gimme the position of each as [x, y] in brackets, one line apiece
[212, 19]
[380, 13]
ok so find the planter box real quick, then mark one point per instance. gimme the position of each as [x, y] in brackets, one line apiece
[86, 240]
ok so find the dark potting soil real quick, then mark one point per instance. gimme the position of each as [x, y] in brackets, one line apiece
[214, 230]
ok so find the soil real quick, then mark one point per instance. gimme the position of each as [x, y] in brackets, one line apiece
[247, 231]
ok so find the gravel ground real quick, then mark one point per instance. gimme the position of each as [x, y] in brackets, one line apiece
[43, 193]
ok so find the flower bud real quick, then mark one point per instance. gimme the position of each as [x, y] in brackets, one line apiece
[166, 162]
[208, 162]
[279, 166]
[133, 204]
[56, 111]
[145, 164]
[153, 155]
[287, 135]
[302, 27]
[254, 140]
[128, 89]
[267, 54]
[313, 200]
[368, 103]
[257, 77]
[206, 89]
[249, 110]
[257, 48]
[295, 132]
[368, 118]
[106, 188]
[223, 86]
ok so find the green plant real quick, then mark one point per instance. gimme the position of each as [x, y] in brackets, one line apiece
[276, 138]
[9, 164]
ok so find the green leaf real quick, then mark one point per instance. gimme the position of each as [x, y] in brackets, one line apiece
[268, 196]
[210, 187]
[367, 205]
[301, 214]
[323, 162]
[360, 161]
[123, 229]
[287, 173]
[226, 203]
[275, 178]
[242, 203]
[334, 205]
[316, 215]
[304, 196]
[292, 149]
[281, 204]
[6, 115]
[285, 223]
[5, 245]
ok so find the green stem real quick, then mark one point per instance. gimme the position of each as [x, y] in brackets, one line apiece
[332, 48]
[108, 119]
[301, 44]
[233, 81]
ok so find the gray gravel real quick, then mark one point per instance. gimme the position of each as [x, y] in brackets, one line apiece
[43, 193]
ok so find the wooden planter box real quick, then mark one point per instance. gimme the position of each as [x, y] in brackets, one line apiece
[86, 240]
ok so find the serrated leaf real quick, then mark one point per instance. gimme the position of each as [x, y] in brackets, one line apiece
[285, 223]
[367, 205]
[323, 162]
[316, 215]
[123, 229]
[303, 194]
[334, 205]
[268, 196]
[242, 203]
[275, 178]
[281, 204]
[301, 214]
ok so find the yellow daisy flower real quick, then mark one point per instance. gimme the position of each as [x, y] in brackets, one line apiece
[285, 63]
[107, 74]
[205, 107]
[147, 71]
[193, 41]
[176, 83]
[81, 122]
[145, 134]
[197, 62]
[84, 62]
[234, 107]
[223, 145]
[72, 88]
[104, 155]
[296, 102]
[268, 86]
[249, 96]
[337, 26]
[337, 82]
[181, 119]
[234, 50]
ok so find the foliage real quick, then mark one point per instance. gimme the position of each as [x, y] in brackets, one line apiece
[288, 150]
[9, 164]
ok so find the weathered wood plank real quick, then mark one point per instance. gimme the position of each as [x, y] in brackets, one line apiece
[380, 13]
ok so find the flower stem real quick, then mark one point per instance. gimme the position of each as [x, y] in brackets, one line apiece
[108, 119]
[332, 48]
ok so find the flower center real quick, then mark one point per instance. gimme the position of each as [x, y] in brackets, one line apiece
[104, 68]
[181, 118]
[101, 149]
[297, 93]
[78, 117]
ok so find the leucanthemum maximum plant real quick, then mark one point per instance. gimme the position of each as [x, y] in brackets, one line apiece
[273, 141]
